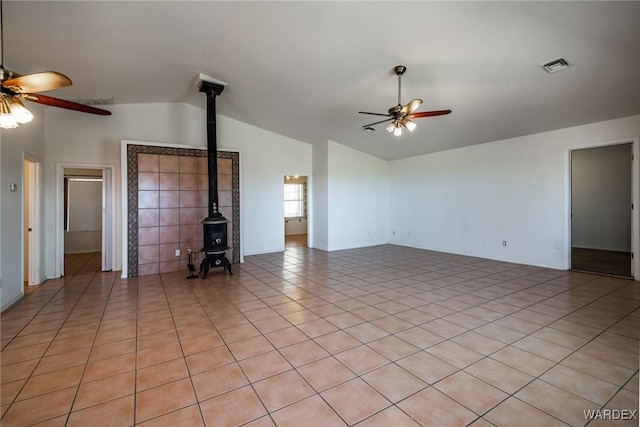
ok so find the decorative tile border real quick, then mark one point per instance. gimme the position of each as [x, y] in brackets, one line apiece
[132, 195]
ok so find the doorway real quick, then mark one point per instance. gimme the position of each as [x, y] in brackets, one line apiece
[295, 211]
[85, 214]
[601, 210]
[83, 211]
[31, 223]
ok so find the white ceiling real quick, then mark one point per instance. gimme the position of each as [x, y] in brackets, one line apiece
[305, 69]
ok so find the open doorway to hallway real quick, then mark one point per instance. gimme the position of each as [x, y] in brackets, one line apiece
[85, 213]
[295, 211]
[601, 210]
[82, 211]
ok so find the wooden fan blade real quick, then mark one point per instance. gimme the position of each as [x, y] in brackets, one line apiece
[428, 114]
[37, 82]
[374, 114]
[411, 106]
[62, 103]
[377, 123]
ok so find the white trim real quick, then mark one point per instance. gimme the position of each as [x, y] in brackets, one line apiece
[124, 166]
[635, 214]
[309, 207]
[108, 253]
[635, 198]
[310, 211]
[242, 245]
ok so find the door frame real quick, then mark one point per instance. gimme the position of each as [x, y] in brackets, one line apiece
[108, 217]
[32, 190]
[308, 206]
[108, 238]
[635, 197]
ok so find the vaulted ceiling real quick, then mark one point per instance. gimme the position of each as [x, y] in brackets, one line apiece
[305, 69]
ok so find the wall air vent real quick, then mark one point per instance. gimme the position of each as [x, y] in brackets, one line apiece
[93, 100]
[555, 65]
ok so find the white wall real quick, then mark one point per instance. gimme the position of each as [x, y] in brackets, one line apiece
[358, 202]
[265, 157]
[320, 187]
[85, 217]
[14, 145]
[294, 227]
[469, 200]
[601, 198]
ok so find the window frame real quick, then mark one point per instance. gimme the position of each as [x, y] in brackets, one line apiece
[302, 191]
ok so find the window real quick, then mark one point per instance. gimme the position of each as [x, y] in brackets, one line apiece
[294, 197]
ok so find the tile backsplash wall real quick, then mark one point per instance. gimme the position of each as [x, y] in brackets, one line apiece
[172, 198]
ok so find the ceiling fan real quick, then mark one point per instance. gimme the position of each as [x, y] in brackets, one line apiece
[15, 87]
[400, 115]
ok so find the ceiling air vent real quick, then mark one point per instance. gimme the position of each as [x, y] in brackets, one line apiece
[94, 100]
[555, 65]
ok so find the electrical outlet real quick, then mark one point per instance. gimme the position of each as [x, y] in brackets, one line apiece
[177, 252]
[504, 243]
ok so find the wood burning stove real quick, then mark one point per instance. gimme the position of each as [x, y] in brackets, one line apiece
[215, 224]
[215, 245]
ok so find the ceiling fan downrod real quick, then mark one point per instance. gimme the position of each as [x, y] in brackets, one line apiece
[1, 39]
[399, 70]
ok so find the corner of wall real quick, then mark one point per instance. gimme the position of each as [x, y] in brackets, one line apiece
[319, 182]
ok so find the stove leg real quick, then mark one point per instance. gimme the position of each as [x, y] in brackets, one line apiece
[207, 264]
[204, 266]
[227, 266]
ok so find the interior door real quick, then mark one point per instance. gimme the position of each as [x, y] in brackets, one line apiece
[31, 221]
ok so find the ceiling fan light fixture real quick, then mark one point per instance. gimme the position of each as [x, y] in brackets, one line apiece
[7, 121]
[409, 125]
[19, 111]
[397, 131]
[390, 127]
[13, 112]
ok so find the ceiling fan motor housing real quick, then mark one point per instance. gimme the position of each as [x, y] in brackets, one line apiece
[395, 111]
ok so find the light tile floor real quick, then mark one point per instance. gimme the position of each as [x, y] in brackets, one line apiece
[380, 336]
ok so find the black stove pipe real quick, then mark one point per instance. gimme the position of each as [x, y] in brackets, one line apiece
[212, 90]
